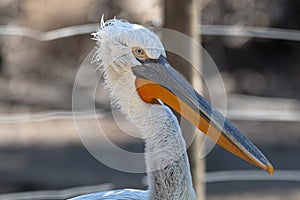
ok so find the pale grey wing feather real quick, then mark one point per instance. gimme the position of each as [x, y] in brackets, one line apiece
[125, 194]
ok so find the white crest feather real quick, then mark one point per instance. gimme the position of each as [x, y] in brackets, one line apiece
[114, 35]
[165, 149]
[106, 30]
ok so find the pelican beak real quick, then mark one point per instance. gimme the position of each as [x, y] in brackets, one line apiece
[157, 80]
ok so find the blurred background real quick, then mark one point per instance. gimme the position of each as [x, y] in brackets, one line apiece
[39, 146]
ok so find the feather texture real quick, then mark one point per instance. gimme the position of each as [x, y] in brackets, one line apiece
[167, 163]
[126, 194]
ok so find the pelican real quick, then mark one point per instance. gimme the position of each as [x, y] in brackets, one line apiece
[145, 86]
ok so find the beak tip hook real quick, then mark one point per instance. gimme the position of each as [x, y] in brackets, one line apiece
[270, 168]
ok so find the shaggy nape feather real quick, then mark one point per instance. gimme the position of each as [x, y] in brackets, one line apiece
[167, 163]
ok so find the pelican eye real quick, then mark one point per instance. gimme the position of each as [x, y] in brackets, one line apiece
[139, 53]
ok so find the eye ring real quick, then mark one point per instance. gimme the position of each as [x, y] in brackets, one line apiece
[139, 53]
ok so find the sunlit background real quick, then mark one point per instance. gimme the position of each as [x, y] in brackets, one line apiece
[39, 146]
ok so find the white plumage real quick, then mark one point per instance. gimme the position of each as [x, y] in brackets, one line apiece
[167, 164]
[126, 194]
[131, 56]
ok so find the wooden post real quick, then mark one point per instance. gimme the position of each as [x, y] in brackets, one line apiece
[184, 16]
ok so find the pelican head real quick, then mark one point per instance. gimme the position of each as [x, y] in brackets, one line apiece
[139, 77]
